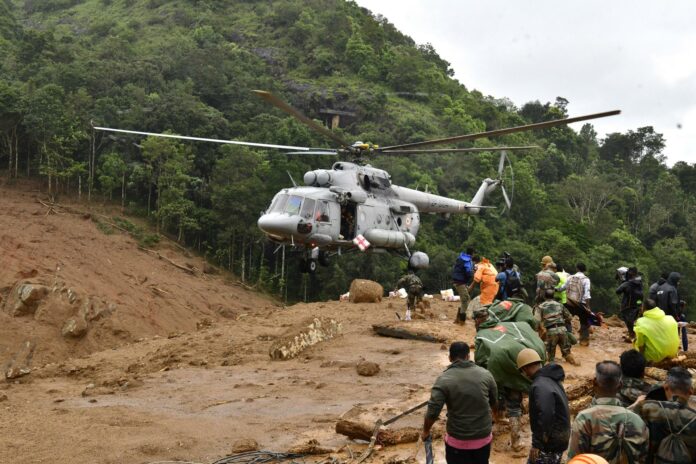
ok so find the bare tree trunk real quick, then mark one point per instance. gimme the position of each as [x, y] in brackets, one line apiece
[16, 151]
[123, 192]
[90, 169]
[79, 187]
[243, 259]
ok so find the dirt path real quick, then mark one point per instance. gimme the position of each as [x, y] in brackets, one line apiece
[171, 378]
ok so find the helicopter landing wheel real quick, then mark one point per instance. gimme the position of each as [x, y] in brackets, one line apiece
[324, 258]
[308, 266]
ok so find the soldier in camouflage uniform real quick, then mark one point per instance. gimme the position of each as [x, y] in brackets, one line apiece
[414, 291]
[546, 278]
[632, 373]
[554, 317]
[606, 428]
[671, 417]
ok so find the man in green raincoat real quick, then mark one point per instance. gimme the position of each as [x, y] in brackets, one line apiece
[497, 345]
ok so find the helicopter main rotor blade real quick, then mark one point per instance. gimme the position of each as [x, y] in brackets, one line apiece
[455, 150]
[201, 139]
[278, 103]
[499, 132]
[313, 152]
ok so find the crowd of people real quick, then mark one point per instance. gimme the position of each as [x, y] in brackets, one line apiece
[629, 421]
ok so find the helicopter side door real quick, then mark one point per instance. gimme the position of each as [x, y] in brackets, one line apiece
[327, 218]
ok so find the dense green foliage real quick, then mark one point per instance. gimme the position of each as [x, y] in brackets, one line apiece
[188, 67]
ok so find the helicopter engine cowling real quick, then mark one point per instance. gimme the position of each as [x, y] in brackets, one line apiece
[318, 178]
[419, 260]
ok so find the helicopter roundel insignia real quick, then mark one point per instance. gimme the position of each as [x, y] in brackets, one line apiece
[408, 221]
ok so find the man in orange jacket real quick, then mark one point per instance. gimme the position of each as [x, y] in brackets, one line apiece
[485, 276]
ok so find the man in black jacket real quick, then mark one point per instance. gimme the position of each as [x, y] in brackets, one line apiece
[549, 416]
[631, 291]
[668, 301]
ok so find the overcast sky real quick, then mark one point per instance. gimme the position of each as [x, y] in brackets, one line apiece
[638, 56]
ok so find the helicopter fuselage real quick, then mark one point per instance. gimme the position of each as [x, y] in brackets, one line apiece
[350, 201]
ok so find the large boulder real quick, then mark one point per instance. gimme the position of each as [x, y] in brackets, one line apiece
[25, 298]
[365, 291]
[75, 327]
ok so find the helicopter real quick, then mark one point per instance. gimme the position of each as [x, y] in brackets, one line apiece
[354, 206]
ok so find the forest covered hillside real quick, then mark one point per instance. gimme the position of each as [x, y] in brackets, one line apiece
[189, 67]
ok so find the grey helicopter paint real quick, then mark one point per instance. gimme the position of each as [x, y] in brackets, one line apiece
[354, 205]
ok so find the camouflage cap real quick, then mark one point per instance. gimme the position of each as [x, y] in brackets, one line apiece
[481, 312]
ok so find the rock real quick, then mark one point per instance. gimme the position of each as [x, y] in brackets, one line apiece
[3, 397]
[94, 309]
[75, 327]
[25, 298]
[367, 368]
[244, 445]
[227, 313]
[210, 269]
[614, 321]
[365, 291]
[310, 447]
[306, 334]
[204, 324]
[20, 364]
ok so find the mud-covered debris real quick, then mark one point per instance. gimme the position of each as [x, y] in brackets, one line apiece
[243, 445]
[367, 368]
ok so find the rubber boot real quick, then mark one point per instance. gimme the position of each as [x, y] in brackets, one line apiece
[515, 441]
[571, 359]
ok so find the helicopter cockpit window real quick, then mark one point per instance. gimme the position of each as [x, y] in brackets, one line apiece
[278, 204]
[383, 182]
[293, 205]
[322, 214]
[308, 208]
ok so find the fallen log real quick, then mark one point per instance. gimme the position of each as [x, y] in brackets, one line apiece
[656, 373]
[579, 404]
[359, 424]
[395, 331]
[190, 270]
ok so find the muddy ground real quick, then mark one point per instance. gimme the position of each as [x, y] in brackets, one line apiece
[182, 372]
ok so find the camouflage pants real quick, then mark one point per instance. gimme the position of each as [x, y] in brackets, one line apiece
[511, 401]
[463, 292]
[547, 457]
[556, 337]
[413, 299]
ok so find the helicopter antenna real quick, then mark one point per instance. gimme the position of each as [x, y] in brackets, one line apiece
[294, 184]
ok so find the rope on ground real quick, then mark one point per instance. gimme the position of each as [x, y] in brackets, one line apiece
[259, 457]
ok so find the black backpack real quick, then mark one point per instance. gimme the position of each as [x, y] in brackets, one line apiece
[512, 283]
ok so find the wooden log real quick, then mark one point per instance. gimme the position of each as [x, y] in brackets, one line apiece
[656, 373]
[579, 404]
[395, 331]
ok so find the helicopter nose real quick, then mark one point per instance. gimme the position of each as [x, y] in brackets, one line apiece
[280, 225]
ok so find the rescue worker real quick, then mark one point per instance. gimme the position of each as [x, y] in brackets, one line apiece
[632, 373]
[657, 335]
[546, 278]
[554, 317]
[469, 392]
[509, 280]
[549, 416]
[563, 298]
[606, 428]
[668, 300]
[485, 276]
[514, 309]
[497, 345]
[631, 291]
[672, 423]
[414, 291]
[652, 291]
[462, 275]
[577, 289]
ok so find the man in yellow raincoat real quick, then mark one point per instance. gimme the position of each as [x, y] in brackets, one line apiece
[657, 336]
